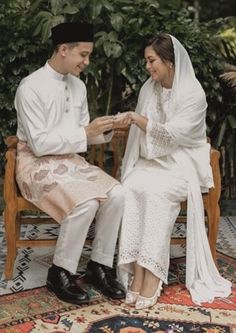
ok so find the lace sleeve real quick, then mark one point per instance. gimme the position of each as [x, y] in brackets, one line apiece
[158, 140]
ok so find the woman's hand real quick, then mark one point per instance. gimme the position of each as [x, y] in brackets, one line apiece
[122, 120]
[138, 120]
[125, 119]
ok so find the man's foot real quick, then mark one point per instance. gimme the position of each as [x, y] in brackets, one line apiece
[60, 281]
[102, 278]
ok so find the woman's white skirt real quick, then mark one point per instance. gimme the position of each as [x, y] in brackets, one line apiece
[152, 203]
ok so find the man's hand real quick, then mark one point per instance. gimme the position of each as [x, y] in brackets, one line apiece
[122, 120]
[99, 126]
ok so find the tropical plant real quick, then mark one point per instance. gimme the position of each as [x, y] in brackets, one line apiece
[21, 53]
[117, 69]
[229, 76]
[228, 126]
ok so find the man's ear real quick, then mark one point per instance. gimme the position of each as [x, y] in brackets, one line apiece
[63, 48]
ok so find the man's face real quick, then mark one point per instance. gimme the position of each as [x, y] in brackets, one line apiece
[76, 59]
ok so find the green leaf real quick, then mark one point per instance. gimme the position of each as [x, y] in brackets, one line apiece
[132, 21]
[37, 30]
[35, 5]
[56, 6]
[116, 50]
[108, 5]
[95, 8]
[101, 34]
[57, 20]
[107, 48]
[46, 31]
[43, 15]
[222, 133]
[112, 36]
[116, 21]
[70, 10]
[232, 121]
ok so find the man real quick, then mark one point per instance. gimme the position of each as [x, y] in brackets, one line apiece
[53, 126]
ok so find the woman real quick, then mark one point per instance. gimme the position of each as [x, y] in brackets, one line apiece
[166, 162]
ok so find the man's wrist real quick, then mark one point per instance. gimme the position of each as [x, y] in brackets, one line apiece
[87, 131]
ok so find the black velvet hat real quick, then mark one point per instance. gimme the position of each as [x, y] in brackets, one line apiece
[72, 32]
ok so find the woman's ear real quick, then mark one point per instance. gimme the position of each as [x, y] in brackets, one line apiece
[170, 65]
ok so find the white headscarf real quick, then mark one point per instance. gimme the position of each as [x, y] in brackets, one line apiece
[185, 122]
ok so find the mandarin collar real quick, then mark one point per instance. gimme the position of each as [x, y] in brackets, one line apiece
[54, 74]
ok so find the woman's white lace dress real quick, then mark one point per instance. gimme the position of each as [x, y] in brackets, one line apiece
[154, 190]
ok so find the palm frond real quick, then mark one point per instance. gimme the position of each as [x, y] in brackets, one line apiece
[229, 76]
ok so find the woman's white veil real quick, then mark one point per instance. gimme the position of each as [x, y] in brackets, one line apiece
[186, 124]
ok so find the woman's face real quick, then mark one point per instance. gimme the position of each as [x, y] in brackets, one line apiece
[160, 71]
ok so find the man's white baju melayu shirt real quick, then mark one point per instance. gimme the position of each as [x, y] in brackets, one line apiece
[52, 111]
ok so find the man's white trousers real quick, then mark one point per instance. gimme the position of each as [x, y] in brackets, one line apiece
[75, 226]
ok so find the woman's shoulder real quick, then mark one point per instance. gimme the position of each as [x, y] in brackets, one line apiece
[148, 84]
[194, 92]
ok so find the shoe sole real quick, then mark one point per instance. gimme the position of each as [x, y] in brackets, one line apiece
[72, 301]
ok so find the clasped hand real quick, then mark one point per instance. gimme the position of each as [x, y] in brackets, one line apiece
[123, 120]
[108, 123]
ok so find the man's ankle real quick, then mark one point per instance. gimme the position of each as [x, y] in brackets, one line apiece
[57, 268]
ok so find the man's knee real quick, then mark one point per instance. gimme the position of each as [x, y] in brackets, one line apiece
[117, 194]
[92, 205]
[88, 208]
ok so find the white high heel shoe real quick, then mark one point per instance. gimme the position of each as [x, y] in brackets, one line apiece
[147, 302]
[131, 297]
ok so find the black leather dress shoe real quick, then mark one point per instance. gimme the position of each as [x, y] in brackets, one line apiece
[61, 282]
[102, 278]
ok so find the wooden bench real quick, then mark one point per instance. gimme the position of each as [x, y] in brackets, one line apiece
[16, 205]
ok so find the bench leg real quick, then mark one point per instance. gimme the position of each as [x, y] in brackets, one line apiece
[10, 232]
[213, 228]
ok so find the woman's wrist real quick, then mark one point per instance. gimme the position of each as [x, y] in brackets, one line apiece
[139, 121]
[134, 117]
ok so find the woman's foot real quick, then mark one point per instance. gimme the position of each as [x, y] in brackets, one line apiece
[136, 284]
[144, 302]
[131, 297]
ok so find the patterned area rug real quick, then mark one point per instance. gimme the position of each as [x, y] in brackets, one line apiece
[38, 310]
[31, 264]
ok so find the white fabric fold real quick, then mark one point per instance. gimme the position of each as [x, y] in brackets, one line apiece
[202, 277]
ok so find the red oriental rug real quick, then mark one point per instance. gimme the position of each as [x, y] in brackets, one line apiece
[38, 310]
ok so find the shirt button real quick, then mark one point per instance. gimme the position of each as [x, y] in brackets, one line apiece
[66, 87]
[67, 99]
[67, 110]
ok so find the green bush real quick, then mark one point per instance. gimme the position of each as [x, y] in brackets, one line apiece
[21, 54]
[117, 68]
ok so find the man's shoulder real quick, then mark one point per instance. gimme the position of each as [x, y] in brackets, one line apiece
[32, 78]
